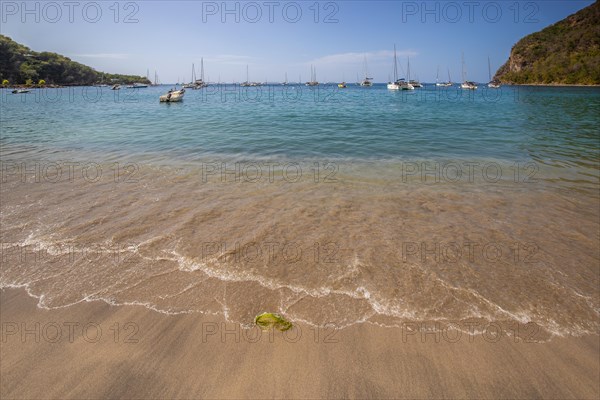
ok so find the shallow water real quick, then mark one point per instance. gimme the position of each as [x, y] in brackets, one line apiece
[328, 206]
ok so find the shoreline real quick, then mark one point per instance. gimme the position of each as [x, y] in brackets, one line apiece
[550, 85]
[129, 351]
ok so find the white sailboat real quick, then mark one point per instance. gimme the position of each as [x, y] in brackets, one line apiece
[413, 82]
[191, 84]
[247, 83]
[444, 84]
[366, 82]
[396, 84]
[200, 83]
[313, 77]
[469, 85]
[493, 84]
[405, 83]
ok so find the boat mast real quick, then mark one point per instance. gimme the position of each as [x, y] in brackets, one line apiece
[202, 69]
[395, 65]
[463, 67]
[408, 70]
[489, 69]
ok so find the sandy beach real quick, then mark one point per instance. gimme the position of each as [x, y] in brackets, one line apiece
[95, 350]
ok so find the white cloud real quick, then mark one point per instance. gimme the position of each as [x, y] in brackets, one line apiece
[358, 58]
[118, 56]
[231, 59]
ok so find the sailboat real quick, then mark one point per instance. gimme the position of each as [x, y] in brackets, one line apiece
[405, 84]
[396, 84]
[366, 82]
[469, 85]
[285, 83]
[200, 83]
[493, 84]
[191, 84]
[415, 83]
[313, 77]
[444, 84]
[247, 83]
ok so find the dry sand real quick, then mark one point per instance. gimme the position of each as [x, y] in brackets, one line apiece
[187, 356]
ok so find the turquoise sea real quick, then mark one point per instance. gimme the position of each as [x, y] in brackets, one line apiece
[329, 206]
[546, 125]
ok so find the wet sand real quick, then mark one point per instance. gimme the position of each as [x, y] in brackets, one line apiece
[192, 356]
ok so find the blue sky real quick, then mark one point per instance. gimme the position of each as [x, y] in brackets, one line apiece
[272, 38]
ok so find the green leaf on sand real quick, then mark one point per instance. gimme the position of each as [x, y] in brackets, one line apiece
[268, 320]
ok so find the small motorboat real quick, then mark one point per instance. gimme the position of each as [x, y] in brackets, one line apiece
[19, 91]
[116, 87]
[342, 85]
[172, 96]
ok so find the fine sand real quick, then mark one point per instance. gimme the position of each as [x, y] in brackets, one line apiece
[94, 350]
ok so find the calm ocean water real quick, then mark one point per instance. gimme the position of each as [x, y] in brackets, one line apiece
[432, 205]
[548, 125]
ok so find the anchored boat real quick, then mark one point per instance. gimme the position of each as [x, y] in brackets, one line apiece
[172, 96]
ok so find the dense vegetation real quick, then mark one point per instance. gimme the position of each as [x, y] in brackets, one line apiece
[567, 52]
[19, 65]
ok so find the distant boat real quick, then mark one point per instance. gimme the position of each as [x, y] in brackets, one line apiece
[193, 78]
[172, 96]
[285, 83]
[200, 83]
[444, 84]
[404, 84]
[20, 91]
[366, 82]
[247, 83]
[493, 84]
[396, 84]
[137, 86]
[342, 85]
[116, 87]
[313, 77]
[469, 85]
[414, 83]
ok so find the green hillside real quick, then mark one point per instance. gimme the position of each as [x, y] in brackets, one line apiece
[567, 52]
[20, 65]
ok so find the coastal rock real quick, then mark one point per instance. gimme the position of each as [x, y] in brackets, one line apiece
[567, 52]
